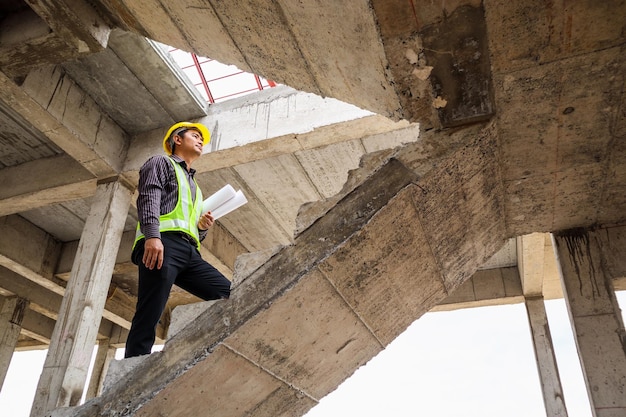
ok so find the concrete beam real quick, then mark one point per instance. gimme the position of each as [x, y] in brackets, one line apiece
[38, 327]
[26, 42]
[174, 92]
[118, 313]
[52, 186]
[76, 22]
[366, 86]
[162, 94]
[551, 388]
[37, 265]
[68, 117]
[152, 19]
[531, 263]
[486, 287]
[596, 317]
[38, 261]
[42, 301]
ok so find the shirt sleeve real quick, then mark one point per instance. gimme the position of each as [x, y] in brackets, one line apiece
[152, 177]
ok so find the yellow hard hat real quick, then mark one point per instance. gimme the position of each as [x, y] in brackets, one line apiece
[206, 135]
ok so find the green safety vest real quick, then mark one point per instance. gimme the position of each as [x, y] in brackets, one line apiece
[185, 210]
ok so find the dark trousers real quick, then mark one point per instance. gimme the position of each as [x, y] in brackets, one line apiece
[183, 266]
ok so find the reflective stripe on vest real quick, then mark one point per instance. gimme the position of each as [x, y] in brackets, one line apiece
[177, 220]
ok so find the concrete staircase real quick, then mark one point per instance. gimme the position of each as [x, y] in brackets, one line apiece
[303, 318]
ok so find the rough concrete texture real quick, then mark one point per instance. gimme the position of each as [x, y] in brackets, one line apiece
[546, 77]
[439, 60]
[275, 39]
[130, 60]
[119, 368]
[596, 317]
[184, 314]
[352, 276]
[483, 288]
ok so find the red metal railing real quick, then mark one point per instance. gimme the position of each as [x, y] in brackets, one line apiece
[216, 81]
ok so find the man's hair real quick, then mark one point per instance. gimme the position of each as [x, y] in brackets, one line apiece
[178, 132]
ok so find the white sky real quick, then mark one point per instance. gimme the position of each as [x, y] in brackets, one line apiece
[466, 363]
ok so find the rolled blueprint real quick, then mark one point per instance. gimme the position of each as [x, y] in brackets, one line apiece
[223, 201]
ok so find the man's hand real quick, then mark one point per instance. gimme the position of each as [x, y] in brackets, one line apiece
[153, 253]
[205, 221]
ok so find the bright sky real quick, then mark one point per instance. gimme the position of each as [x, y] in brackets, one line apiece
[471, 363]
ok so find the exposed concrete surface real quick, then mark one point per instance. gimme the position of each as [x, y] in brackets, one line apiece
[185, 314]
[86, 290]
[119, 368]
[596, 317]
[551, 387]
[547, 78]
[357, 280]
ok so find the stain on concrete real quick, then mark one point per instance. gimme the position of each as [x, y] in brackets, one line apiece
[578, 248]
[457, 49]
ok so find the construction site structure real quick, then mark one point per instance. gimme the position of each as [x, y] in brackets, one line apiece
[415, 156]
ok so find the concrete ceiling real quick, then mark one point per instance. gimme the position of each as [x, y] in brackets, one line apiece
[531, 93]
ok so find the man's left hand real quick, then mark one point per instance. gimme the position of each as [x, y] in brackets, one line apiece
[206, 221]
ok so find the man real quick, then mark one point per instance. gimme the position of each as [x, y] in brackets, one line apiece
[169, 232]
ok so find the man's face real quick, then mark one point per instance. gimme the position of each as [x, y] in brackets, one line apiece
[190, 142]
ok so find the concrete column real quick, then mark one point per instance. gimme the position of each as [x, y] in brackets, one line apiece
[596, 318]
[546, 361]
[65, 370]
[104, 356]
[11, 316]
[530, 262]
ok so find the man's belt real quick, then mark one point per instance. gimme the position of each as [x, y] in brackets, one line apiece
[188, 238]
[183, 236]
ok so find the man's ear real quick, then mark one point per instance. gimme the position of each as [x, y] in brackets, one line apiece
[178, 139]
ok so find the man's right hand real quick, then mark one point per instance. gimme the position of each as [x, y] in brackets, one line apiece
[153, 253]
